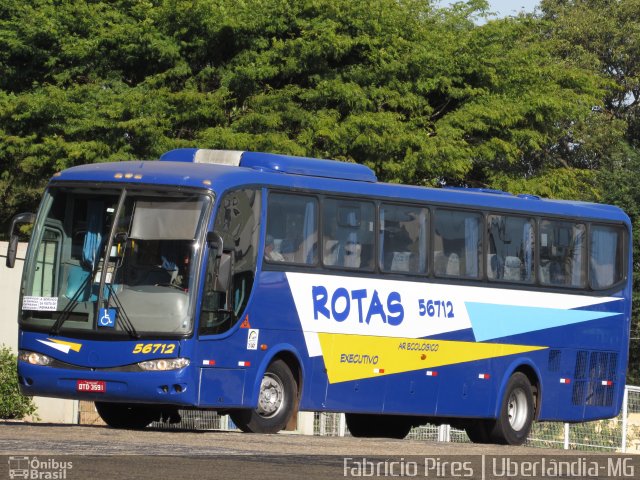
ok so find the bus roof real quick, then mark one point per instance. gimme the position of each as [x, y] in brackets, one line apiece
[200, 168]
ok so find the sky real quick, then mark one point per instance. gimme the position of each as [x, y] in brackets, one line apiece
[505, 8]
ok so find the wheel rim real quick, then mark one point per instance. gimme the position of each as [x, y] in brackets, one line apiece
[517, 409]
[271, 397]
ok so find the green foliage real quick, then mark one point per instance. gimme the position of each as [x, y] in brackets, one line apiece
[567, 183]
[421, 94]
[619, 182]
[13, 405]
[604, 35]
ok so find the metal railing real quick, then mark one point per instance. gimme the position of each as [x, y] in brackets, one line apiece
[620, 434]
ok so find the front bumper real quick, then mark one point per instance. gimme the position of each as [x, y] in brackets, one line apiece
[175, 387]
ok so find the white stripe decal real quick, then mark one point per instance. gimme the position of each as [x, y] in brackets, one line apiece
[400, 309]
[56, 346]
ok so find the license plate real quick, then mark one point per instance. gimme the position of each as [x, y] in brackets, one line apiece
[91, 386]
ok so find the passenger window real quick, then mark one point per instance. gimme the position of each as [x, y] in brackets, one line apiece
[562, 254]
[510, 249]
[348, 234]
[606, 265]
[403, 238]
[238, 222]
[292, 229]
[457, 244]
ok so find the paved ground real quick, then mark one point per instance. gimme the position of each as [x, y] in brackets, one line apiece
[101, 452]
[38, 439]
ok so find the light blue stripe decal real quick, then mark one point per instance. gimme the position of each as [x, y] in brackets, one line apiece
[491, 321]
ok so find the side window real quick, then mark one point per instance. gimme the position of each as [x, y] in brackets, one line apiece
[45, 279]
[510, 249]
[606, 265]
[238, 223]
[292, 229]
[403, 238]
[457, 244]
[562, 253]
[348, 234]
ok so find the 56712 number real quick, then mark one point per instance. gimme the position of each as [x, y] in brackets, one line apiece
[167, 348]
[435, 308]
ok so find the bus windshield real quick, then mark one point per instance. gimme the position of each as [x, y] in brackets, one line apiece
[127, 252]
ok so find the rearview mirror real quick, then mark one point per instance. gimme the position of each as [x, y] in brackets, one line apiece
[214, 240]
[223, 272]
[12, 249]
[223, 265]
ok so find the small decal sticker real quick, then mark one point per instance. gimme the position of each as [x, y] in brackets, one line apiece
[107, 317]
[246, 323]
[61, 345]
[41, 304]
[252, 339]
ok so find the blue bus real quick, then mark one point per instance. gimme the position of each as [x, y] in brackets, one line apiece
[259, 285]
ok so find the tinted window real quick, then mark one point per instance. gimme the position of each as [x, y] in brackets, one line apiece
[562, 253]
[457, 244]
[403, 238]
[292, 229]
[606, 265]
[238, 223]
[510, 248]
[348, 233]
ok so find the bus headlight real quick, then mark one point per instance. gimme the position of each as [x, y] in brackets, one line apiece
[34, 358]
[163, 364]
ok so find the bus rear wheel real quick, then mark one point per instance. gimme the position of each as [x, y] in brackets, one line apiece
[383, 426]
[125, 415]
[276, 402]
[515, 418]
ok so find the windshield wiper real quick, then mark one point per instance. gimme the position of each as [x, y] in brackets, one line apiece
[126, 322]
[64, 315]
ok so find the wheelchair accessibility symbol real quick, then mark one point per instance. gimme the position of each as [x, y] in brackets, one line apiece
[107, 317]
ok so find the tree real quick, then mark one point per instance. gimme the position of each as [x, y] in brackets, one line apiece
[421, 94]
[13, 405]
[604, 35]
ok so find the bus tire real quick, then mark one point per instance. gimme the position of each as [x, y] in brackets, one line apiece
[276, 402]
[127, 415]
[382, 426]
[515, 418]
[479, 430]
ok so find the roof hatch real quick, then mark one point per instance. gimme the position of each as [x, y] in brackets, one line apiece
[271, 162]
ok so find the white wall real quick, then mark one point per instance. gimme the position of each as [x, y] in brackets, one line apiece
[50, 410]
[9, 288]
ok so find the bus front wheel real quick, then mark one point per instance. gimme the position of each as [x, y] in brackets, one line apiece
[276, 402]
[125, 415]
[516, 412]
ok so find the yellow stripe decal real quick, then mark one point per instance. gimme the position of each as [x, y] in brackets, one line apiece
[73, 346]
[355, 357]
